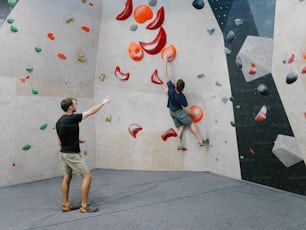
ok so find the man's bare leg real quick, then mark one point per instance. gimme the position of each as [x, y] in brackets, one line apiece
[87, 178]
[65, 188]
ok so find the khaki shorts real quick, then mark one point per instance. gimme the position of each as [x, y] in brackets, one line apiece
[74, 162]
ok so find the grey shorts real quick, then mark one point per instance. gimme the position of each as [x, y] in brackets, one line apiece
[74, 162]
[180, 117]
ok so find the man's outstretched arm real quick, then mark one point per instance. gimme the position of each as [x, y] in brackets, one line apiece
[96, 108]
[166, 72]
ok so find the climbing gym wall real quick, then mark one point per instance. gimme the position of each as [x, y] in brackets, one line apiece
[266, 65]
[134, 36]
[48, 52]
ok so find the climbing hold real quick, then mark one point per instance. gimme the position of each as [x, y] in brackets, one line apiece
[168, 53]
[135, 51]
[238, 21]
[121, 75]
[227, 51]
[108, 118]
[34, 91]
[29, 69]
[102, 76]
[12, 3]
[238, 62]
[152, 2]
[210, 31]
[85, 28]
[127, 11]
[158, 21]
[84, 1]
[157, 44]
[10, 20]
[51, 36]
[134, 129]
[26, 147]
[37, 49]
[23, 79]
[69, 20]
[217, 83]
[233, 124]
[133, 27]
[304, 70]
[200, 75]
[304, 54]
[43, 126]
[252, 70]
[252, 151]
[155, 78]
[291, 59]
[169, 133]
[199, 113]
[230, 36]
[224, 99]
[142, 13]
[263, 89]
[61, 56]
[291, 77]
[81, 58]
[14, 29]
[85, 153]
[91, 4]
[262, 114]
[198, 4]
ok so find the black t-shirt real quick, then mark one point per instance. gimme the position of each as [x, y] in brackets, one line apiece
[175, 100]
[67, 128]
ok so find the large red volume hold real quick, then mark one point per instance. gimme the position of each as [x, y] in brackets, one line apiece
[127, 11]
[155, 46]
[158, 21]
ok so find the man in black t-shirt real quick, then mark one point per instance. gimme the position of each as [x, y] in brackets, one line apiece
[67, 128]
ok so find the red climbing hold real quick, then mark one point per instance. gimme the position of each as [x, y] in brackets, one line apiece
[134, 129]
[121, 75]
[252, 70]
[262, 114]
[155, 78]
[169, 133]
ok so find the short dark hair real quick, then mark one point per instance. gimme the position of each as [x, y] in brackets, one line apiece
[65, 103]
[180, 84]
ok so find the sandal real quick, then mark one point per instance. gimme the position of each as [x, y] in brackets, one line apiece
[204, 142]
[70, 207]
[182, 148]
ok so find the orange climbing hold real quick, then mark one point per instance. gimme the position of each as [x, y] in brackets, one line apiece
[142, 13]
[85, 28]
[135, 51]
[62, 56]
[51, 36]
[169, 133]
[168, 53]
[199, 113]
